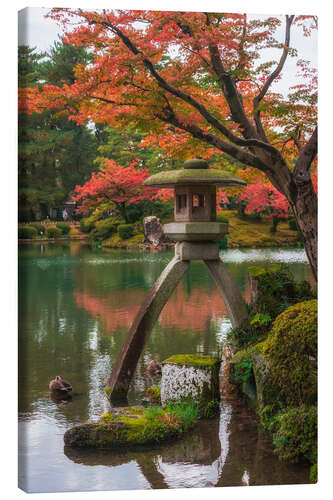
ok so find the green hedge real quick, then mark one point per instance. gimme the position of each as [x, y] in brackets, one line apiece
[40, 227]
[53, 232]
[221, 218]
[87, 225]
[64, 227]
[104, 229]
[125, 231]
[27, 232]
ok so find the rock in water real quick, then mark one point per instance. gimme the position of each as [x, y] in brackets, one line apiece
[153, 231]
[192, 377]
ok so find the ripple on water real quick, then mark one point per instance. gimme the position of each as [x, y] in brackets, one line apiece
[287, 256]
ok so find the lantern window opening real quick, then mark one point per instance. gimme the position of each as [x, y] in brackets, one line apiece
[198, 201]
[181, 201]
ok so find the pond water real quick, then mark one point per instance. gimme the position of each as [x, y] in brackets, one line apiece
[76, 304]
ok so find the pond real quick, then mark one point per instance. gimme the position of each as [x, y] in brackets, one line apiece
[76, 304]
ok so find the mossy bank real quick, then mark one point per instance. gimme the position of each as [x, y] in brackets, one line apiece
[128, 427]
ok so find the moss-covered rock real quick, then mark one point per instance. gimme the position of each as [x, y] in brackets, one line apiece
[291, 349]
[130, 426]
[192, 377]
[295, 434]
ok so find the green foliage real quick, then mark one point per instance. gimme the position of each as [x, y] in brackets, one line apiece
[187, 413]
[64, 227]
[27, 232]
[40, 227]
[222, 218]
[87, 224]
[54, 153]
[53, 232]
[260, 319]
[154, 394]
[277, 289]
[242, 368]
[293, 224]
[291, 348]
[314, 473]
[125, 231]
[223, 243]
[210, 410]
[295, 435]
[104, 229]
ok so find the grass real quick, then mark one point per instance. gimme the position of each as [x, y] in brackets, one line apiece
[249, 233]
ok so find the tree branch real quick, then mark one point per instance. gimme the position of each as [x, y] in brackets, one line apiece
[251, 142]
[271, 78]
[239, 154]
[308, 153]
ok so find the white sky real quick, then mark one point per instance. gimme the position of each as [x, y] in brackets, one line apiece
[36, 31]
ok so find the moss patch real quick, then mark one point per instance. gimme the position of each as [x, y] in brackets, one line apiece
[116, 242]
[134, 426]
[251, 233]
[198, 360]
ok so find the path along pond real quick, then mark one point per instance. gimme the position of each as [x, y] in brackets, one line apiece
[76, 304]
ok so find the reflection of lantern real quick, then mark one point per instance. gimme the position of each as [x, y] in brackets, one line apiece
[196, 232]
[195, 200]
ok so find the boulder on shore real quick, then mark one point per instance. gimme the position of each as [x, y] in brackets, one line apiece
[153, 231]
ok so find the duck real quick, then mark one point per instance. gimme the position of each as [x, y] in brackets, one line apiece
[59, 385]
[154, 369]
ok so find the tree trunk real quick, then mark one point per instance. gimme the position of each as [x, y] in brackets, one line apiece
[304, 205]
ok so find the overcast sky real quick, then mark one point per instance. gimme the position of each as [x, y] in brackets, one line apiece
[36, 31]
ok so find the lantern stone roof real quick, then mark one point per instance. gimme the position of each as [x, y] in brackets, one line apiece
[195, 172]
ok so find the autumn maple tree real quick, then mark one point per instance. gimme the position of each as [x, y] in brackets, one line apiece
[264, 199]
[113, 187]
[195, 81]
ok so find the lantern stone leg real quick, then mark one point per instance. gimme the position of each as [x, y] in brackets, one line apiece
[122, 372]
[230, 292]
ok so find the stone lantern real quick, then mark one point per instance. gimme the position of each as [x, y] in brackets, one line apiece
[195, 207]
[196, 233]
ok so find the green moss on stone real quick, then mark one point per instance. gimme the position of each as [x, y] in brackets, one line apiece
[198, 360]
[133, 426]
[193, 176]
[291, 349]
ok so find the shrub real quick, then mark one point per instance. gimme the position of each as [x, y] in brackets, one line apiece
[64, 227]
[223, 243]
[104, 229]
[53, 232]
[27, 232]
[125, 231]
[276, 289]
[87, 224]
[40, 227]
[295, 436]
[293, 224]
[221, 218]
[242, 368]
[154, 394]
[291, 348]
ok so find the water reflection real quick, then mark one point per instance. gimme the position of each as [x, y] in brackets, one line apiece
[75, 306]
[229, 451]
